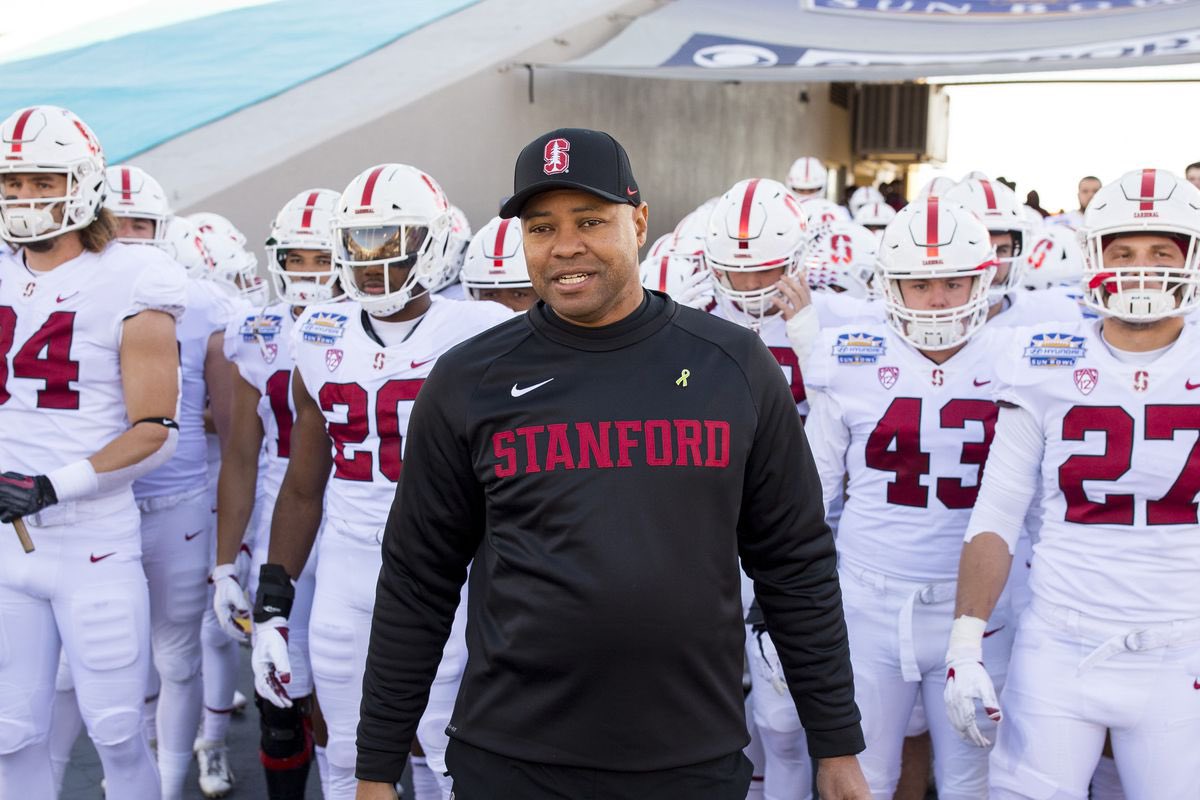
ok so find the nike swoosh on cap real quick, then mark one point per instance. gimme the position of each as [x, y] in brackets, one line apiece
[518, 391]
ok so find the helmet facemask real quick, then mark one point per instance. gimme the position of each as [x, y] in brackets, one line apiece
[366, 256]
[943, 328]
[1142, 293]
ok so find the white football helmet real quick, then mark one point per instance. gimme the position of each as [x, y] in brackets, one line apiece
[234, 268]
[862, 196]
[929, 239]
[131, 192]
[495, 258]
[1055, 259]
[391, 215]
[181, 241]
[821, 212]
[49, 139]
[936, 187]
[807, 175]
[303, 224]
[1033, 218]
[997, 206]
[209, 222]
[456, 249]
[756, 226]
[875, 216]
[842, 259]
[1143, 201]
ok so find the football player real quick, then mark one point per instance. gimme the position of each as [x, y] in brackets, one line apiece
[88, 391]
[1099, 416]
[300, 263]
[807, 177]
[901, 420]
[358, 367]
[494, 268]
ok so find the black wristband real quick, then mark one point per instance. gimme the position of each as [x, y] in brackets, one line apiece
[275, 593]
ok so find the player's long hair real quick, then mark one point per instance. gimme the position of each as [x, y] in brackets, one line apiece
[99, 232]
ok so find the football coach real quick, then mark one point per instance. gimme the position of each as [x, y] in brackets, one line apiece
[605, 460]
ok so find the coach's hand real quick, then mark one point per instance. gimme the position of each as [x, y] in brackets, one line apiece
[374, 790]
[841, 779]
[230, 603]
[270, 662]
[22, 495]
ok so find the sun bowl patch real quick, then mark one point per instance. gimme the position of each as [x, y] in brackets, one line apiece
[1055, 350]
[324, 327]
[261, 327]
[859, 348]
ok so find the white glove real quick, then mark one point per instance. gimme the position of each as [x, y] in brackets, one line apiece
[270, 663]
[967, 681]
[230, 603]
[697, 290]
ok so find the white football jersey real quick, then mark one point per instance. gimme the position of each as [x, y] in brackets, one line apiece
[258, 342]
[911, 435]
[208, 311]
[1120, 471]
[366, 392]
[61, 397]
[1033, 308]
[835, 309]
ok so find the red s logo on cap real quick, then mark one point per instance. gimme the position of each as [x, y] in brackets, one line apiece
[556, 156]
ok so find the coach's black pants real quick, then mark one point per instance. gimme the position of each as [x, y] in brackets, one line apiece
[483, 775]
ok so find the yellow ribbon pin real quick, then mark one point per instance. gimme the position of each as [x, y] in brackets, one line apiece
[683, 376]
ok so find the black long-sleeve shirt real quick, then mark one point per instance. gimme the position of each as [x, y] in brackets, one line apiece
[605, 482]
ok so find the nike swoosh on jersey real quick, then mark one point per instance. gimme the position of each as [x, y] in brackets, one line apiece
[1196, 685]
[1189, 385]
[978, 382]
[189, 536]
[62, 299]
[517, 391]
[986, 634]
[419, 364]
[96, 558]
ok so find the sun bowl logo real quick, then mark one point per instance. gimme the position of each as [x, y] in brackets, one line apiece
[557, 156]
[324, 327]
[264, 327]
[734, 56]
[1055, 350]
[859, 348]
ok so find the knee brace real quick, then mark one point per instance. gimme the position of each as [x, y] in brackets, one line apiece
[285, 747]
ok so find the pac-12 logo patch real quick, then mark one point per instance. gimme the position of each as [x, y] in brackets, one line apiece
[557, 156]
[270, 352]
[888, 376]
[1086, 380]
[333, 358]
[324, 327]
[859, 348]
[1055, 350]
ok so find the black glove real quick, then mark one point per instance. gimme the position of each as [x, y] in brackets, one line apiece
[22, 495]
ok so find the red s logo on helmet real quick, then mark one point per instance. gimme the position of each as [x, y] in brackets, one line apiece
[556, 156]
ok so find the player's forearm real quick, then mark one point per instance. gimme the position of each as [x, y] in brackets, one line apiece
[235, 502]
[132, 447]
[294, 526]
[982, 572]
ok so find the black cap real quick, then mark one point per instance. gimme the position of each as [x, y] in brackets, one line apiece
[573, 158]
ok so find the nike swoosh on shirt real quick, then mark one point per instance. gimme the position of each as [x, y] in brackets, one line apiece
[986, 634]
[978, 382]
[189, 536]
[96, 558]
[517, 392]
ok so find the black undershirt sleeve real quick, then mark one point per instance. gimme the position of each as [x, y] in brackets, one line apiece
[788, 550]
[433, 530]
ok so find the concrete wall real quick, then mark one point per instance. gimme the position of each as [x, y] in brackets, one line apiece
[687, 140]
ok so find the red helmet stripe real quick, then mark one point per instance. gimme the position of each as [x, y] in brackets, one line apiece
[498, 252]
[1148, 176]
[807, 162]
[309, 205]
[441, 198]
[369, 189]
[19, 129]
[126, 189]
[744, 221]
[931, 226]
[662, 273]
[988, 194]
